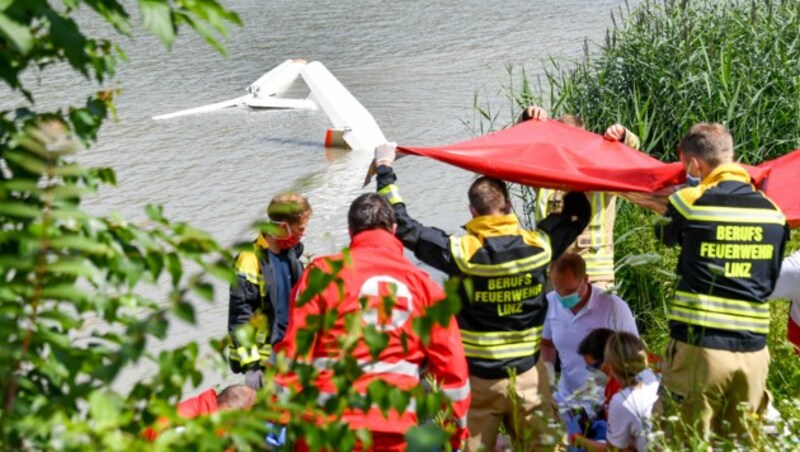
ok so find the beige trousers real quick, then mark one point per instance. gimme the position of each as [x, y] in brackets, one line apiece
[713, 391]
[524, 408]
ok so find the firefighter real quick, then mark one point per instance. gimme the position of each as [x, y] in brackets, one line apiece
[264, 278]
[596, 243]
[732, 239]
[502, 268]
[376, 269]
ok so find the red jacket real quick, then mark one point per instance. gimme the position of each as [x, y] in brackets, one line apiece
[378, 268]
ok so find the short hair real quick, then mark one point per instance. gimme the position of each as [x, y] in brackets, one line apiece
[709, 142]
[594, 344]
[626, 357]
[236, 397]
[570, 262]
[289, 207]
[571, 120]
[370, 211]
[487, 195]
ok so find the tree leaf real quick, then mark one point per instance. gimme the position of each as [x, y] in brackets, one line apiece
[157, 18]
[17, 33]
[105, 409]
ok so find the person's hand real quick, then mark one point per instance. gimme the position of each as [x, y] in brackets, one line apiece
[533, 112]
[385, 153]
[254, 379]
[616, 132]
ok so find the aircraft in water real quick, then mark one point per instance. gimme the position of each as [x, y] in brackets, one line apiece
[352, 125]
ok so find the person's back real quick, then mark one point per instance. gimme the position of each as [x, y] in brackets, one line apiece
[387, 292]
[502, 269]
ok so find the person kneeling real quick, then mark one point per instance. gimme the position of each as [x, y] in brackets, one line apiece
[630, 410]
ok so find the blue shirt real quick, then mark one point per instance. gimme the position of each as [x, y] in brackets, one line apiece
[283, 285]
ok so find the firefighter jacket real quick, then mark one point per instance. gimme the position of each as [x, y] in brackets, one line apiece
[502, 268]
[732, 239]
[377, 269]
[596, 242]
[254, 299]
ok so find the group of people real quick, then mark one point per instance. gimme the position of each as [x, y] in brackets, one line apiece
[540, 342]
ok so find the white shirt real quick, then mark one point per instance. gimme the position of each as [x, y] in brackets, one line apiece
[567, 330]
[629, 413]
[788, 285]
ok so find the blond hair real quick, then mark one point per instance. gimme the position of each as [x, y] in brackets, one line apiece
[289, 207]
[626, 356]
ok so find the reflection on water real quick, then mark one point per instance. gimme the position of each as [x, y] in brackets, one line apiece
[415, 66]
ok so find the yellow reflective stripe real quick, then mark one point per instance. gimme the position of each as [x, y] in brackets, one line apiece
[391, 193]
[722, 305]
[719, 321]
[500, 337]
[517, 350]
[245, 355]
[506, 268]
[725, 214]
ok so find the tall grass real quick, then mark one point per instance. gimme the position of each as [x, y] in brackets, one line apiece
[664, 66]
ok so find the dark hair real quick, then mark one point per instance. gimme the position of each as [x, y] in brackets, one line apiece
[289, 207]
[709, 142]
[571, 262]
[370, 211]
[487, 195]
[594, 344]
[236, 397]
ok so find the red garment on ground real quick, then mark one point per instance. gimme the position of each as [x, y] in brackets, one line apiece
[203, 404]
[381, 442]
[555, 155]
[378, 268]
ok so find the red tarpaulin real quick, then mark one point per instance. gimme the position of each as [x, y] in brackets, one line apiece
[555, 155]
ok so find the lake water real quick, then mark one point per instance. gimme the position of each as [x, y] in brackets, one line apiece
[415, 65]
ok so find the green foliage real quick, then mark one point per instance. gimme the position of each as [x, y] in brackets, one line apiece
[664, 68]
[72, 307]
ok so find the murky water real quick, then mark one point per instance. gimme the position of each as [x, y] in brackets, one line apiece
[415, 65]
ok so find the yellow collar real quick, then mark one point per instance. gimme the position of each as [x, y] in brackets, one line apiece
[262, 242]
[494, 225]
[727, 172]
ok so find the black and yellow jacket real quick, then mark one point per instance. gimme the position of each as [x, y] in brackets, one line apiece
[253, 299]
[732, 239]
[503, 269]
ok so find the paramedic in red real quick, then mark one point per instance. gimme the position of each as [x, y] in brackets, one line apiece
[377, 268]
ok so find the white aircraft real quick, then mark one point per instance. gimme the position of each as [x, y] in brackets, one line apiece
[353, 125]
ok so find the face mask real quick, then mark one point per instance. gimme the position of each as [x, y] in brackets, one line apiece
[289, 242]
[286, 238]
[569, 301]
[691, 180]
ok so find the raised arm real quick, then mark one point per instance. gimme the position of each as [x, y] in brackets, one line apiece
[430, 245]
